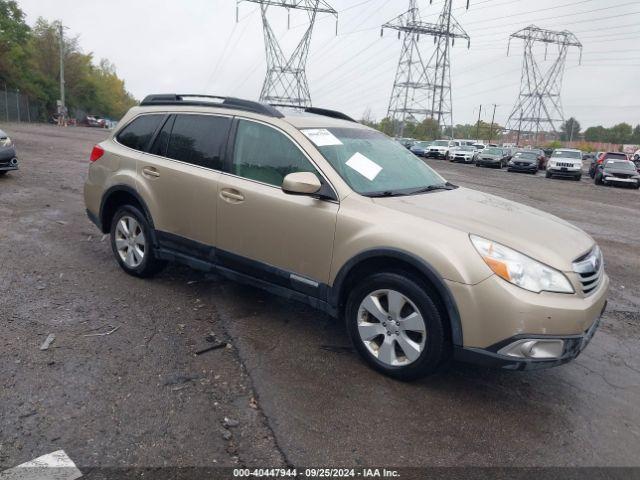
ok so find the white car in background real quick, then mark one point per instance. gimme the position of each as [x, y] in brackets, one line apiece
[441, 148]
[464, 154]
[565, 162]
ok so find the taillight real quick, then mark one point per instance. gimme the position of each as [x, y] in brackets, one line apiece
[96, 153]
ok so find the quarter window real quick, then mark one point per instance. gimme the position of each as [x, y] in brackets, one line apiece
[199, 140]
[262, 153]
[138, 133]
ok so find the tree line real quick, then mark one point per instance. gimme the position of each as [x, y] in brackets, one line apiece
[30, 62]
[620, 134]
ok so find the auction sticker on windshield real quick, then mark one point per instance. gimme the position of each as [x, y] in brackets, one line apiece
[321, 137]
[365, 167]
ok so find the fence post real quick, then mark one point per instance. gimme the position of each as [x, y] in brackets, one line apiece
[18, 103]
[6, 101]
[28, 110]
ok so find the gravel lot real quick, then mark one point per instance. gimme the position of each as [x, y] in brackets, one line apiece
[288, 388]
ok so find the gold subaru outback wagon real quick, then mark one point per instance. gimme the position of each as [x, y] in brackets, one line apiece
[311, 205]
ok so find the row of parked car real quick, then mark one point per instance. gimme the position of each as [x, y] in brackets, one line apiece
[606, 168]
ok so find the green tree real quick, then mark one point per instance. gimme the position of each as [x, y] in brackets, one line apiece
[595, 134]
[570, 130]
[29, 60]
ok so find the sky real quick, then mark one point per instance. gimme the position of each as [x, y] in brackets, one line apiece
[196, 46]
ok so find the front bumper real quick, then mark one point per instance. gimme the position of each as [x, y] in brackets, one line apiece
[435, 154]
[462, 158]
[494, 313]
[573, 346]
[8, 160]
[621, 181]
[564, 171]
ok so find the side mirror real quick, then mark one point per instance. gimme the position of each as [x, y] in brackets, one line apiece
[301, 183]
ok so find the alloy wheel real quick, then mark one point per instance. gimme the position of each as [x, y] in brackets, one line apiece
[130, 241]
[391, 327]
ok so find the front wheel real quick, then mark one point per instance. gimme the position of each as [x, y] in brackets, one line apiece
[395, 326]
[131, 243]
[3, 173]
[598, 179]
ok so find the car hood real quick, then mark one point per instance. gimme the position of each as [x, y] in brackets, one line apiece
[620, 171]
[566, 159]
[438, 147]
[490, 155]
[525, 160]
[533, 232]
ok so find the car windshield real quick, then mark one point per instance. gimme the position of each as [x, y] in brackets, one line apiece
[422, 144]
[492, 151]
[567, 154]
[526, 155]
[620, 165]
[441, 143]
[621, 156]
[372, 164]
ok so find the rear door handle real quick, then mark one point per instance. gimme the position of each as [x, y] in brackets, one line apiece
[150, 172]
[231, 195]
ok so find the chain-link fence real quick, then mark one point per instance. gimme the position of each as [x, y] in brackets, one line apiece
[18, 107]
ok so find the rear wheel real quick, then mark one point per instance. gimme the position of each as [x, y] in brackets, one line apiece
[395, 326]
[131, 243]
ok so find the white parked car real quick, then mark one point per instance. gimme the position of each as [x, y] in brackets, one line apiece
[565, 162]
[464, 154]
[441, 148]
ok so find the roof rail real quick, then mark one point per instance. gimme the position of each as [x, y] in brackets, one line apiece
[197, 100]
[317, 111]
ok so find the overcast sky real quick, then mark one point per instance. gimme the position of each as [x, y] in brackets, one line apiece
[196, 46]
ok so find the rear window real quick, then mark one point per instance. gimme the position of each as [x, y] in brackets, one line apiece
[621, 165]
[139, 132]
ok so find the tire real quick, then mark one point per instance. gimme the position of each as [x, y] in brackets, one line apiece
[478, 165]
[141, 262]
[578, 178]
[547, 174]
[598, 179]
[432, 345]
[3, 173]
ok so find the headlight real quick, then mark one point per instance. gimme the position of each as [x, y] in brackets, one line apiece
[5, 142]
[519, 269]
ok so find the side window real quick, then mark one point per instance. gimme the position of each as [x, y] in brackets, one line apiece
[262, 153]
[199, 140]
[138, 133]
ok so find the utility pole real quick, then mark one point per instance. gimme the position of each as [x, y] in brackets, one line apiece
[422, 85]
[539, 102]
[62, 99]
[493, 118]
[478, 125]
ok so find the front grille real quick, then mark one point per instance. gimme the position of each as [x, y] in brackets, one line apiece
[622, 175]
[564, 164]
[590, 269]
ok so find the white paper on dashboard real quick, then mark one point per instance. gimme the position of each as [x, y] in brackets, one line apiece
[365, 167]
[321, 137]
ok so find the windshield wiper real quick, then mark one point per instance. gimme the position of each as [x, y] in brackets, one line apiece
[432, 188]
[386, 193]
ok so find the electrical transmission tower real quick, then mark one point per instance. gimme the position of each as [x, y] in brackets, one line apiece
[286, 79]
[538, 107]
[422, 86]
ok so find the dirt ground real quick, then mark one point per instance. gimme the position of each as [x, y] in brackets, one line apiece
[287, 389]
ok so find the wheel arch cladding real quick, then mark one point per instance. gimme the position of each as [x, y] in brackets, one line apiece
[378, 260]
[118, 196]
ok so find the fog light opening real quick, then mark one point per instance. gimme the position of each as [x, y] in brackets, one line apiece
[534, 348]
[14, 161]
